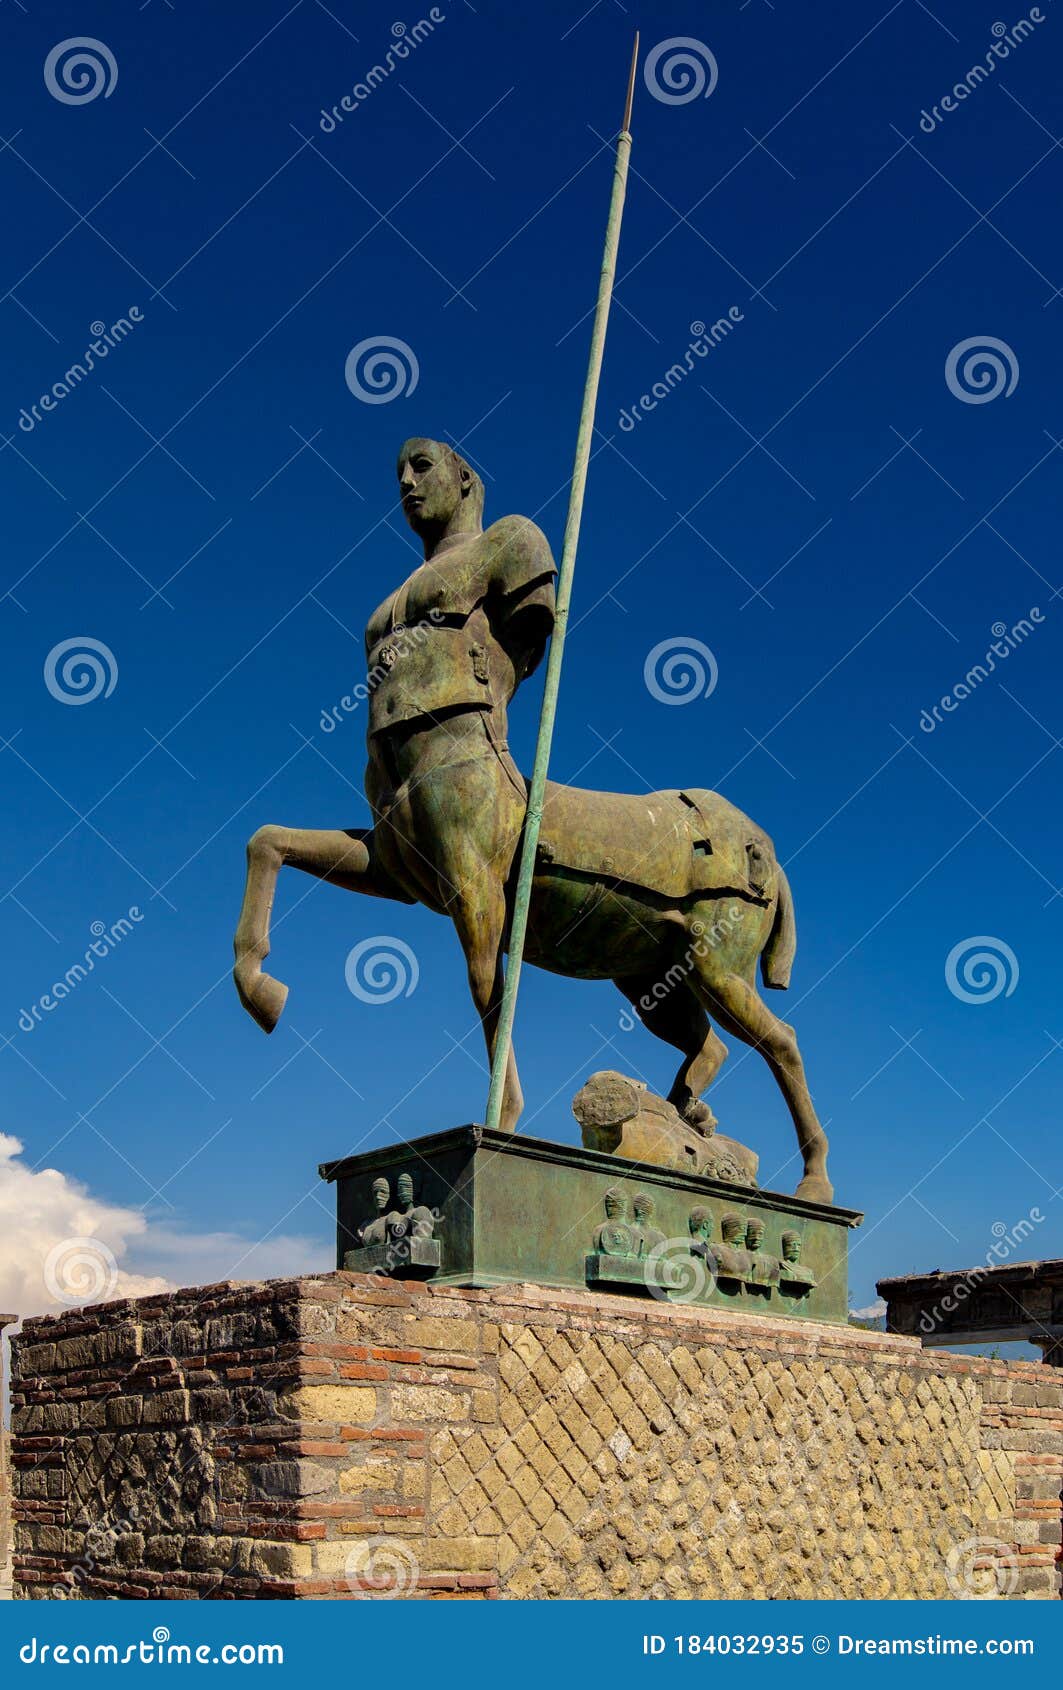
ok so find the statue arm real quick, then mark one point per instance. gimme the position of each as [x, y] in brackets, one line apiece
[520, 596]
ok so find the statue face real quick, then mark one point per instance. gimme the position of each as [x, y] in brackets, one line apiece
[732, 1229]
[430, 482]
[643, 1208]
[791, 1247]
[754, 1234]
[614, 1206]
[405, 1189]
[380, 1193]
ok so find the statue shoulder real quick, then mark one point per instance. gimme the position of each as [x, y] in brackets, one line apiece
[517, 552]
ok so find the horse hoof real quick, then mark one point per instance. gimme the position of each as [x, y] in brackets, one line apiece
[815, 1188]
[263, 998]
[699, 1116]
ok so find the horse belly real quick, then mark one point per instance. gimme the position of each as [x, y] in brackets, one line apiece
[585, 930]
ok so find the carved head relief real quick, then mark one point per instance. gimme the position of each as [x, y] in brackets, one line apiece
[381, 1194]
[616, 1205]
[754, 1235]
[404, 1190]
[791, 1246]
[733, 1229]
[699, 1222]
[644, 1206]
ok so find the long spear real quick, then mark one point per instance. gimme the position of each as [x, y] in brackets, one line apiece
[537, 789]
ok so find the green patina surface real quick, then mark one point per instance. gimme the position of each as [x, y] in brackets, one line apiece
[517, 1208]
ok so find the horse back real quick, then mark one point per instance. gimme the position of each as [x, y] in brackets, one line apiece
[674, 844]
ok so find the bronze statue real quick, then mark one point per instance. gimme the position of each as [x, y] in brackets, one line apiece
[733, 1260]
[674, 895]
[410, 1219]
[615, 1237]
[793, 1271]
[648, 1236]
[763, 1269]
[375, 1231]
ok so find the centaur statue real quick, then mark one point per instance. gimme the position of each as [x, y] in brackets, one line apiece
[673, 896]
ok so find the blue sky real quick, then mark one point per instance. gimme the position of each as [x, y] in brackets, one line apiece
[815, 502]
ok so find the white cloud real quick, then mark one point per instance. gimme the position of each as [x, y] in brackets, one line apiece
[61, 1245]
[874, 1311]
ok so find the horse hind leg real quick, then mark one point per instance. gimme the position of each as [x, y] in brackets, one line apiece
[679, 1019]
[738, 1009]
[342, 857]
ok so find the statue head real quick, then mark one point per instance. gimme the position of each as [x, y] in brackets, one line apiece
[791, 1246]
[381, 1193]
[732, 1229]
[404, 1188]
[440, 492]
[700, 1223]
[616, 1205]
[644, 1206]
[754, 1235]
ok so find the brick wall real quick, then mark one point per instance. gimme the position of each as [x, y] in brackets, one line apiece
[5, 1478]
[350, 1437]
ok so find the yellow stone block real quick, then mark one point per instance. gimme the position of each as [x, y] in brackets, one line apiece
[353, 1405]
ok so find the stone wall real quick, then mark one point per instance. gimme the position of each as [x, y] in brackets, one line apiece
[350, 1437]
[5, 1479]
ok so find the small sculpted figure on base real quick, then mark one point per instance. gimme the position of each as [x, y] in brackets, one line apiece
[794, 1274]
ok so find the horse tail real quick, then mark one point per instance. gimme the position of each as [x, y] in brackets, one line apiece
[777, 957]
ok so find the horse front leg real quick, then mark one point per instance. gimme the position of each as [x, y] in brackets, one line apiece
[343, 857]
[480, 923]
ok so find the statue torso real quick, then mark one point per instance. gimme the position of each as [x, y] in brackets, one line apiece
[449, 637]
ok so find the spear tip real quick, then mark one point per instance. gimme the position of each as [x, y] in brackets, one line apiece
[626, 125]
